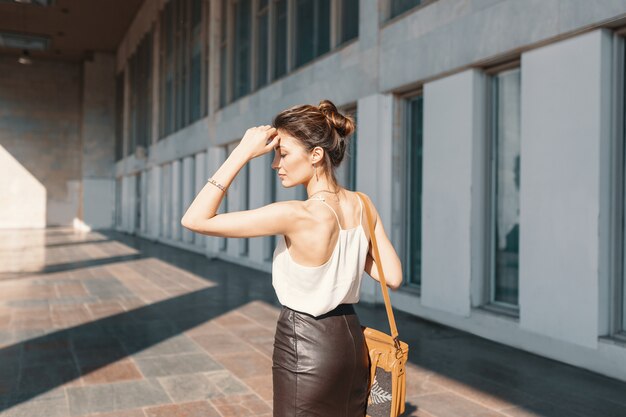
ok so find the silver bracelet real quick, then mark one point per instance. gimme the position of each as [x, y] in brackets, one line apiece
[218, 185]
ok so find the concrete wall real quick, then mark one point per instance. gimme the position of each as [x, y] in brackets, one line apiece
[98, 138]
[448, 35]
[40, 157]
[57, 143]
[450, 136]
[566, 103]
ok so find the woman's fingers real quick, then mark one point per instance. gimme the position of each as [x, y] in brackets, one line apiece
[271, 131]
[271, 140]
[270, 134]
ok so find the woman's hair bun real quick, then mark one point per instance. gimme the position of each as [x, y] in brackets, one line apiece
[344, 125]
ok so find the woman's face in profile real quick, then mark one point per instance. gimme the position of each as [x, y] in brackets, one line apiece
[291, 162]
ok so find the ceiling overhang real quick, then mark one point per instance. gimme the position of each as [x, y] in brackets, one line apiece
[72, 29]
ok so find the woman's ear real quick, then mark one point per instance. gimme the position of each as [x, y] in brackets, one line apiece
[317, 154]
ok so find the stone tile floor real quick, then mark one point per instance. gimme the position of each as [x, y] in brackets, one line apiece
[110, 325]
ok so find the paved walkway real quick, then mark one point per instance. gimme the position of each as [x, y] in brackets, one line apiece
[105, 324]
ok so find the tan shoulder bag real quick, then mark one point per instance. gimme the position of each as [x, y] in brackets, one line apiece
[388, 354]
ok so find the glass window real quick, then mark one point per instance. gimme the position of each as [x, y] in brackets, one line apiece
[400, 6]
[136, 99]
[177, 198]
[196, 85]
[349, 27]
[147, 83]
[132, 116]
[262, 43]
[414, 160]
[505, 186]
[623, 283]
[167, 70]
[225, 20]
[137, 203]
[143, 91]
[119, 116]
[166, 200]
[224, 54]
[312, 29]
[180, 77]
[280, 39]
[223, 76]
[188, 184]
[183, 62]
[144, 186]
[118, 202]
[169, 104]
[140, 78]
[196, 14]
[196, 82]
[241, 52]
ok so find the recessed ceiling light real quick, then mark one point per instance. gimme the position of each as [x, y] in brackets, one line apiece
[23, 41]
[33, 2]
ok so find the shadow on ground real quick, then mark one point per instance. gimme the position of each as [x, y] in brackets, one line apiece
[453, 373]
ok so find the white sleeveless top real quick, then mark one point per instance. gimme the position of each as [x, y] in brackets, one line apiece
[319, 289]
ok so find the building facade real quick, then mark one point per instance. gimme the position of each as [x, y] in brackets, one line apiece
[490, 135]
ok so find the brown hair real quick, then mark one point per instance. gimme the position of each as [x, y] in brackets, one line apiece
[321, 126]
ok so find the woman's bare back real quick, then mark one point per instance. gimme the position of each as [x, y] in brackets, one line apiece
[315, 241]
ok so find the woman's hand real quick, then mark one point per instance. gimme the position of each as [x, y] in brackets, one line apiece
[258, 141]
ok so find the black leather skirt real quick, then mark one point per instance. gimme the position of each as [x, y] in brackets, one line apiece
[320, 365]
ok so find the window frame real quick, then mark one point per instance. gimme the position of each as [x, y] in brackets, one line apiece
[401, 150]
[132, 104]
[244, 42]
[489, 302]
[176, 112]
[119, 116]
[203, 60]
[140, 71]
[259, 13]
[387, 18]
[179, 53]
[165, 67]
[617, 266]
[316, 34]
[225, 52]
[272, 36]
[225, 45]
[337, 28]
[118, 202]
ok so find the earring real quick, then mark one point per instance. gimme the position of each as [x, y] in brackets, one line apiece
[316, 178]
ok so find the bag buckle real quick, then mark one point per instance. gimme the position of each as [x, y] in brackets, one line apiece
[396, 342]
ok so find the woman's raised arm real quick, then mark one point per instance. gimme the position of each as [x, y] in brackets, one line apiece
[202, 217]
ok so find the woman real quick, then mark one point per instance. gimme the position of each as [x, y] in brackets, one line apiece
[320, 360]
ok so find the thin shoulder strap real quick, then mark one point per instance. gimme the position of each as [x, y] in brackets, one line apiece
[328, 205]
[360, 202]
[381, 275]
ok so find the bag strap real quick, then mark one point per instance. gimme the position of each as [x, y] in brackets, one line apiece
[381, 275]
